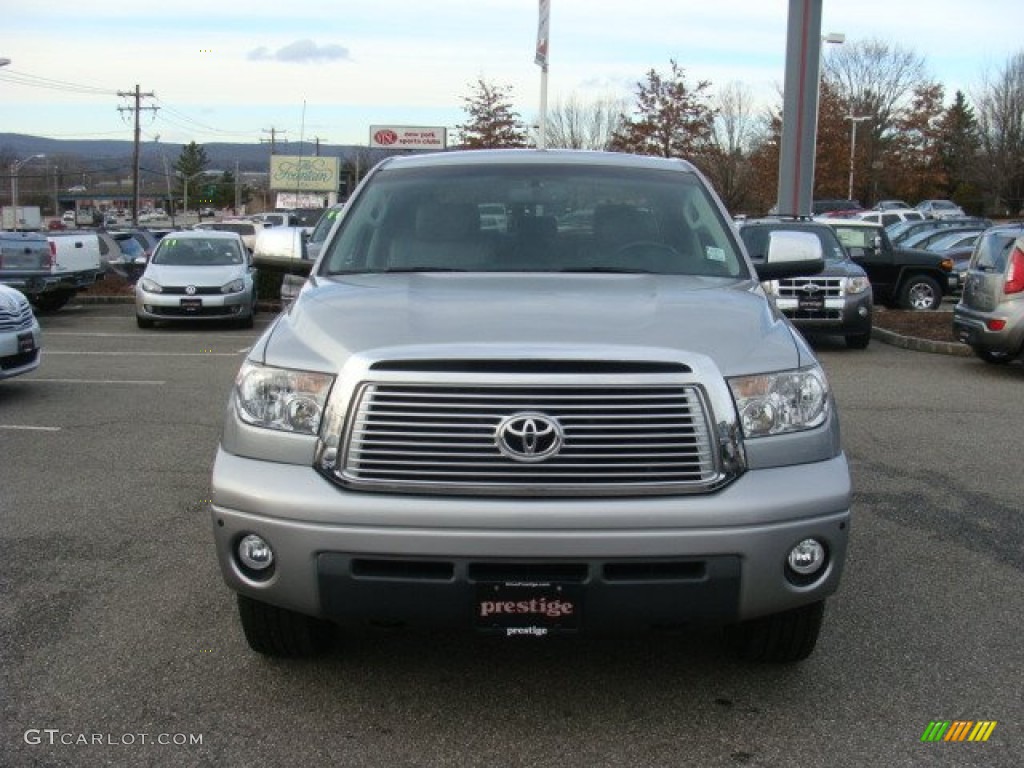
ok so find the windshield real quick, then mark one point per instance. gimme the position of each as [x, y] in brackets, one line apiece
[757, 238]
[528, 218]
[198, 252]
[324, 224]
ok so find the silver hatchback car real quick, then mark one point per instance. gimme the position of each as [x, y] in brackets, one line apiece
[990, 315]
[197, 275]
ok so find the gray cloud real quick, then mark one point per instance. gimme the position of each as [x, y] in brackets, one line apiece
[302, 51]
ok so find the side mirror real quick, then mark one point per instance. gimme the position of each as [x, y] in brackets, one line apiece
[791, 254]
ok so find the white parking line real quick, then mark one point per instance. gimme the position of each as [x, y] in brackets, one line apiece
[140, 354]
[142, 382]
[24, 428]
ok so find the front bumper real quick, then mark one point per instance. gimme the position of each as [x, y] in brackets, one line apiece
[20, 351]
[840, 316]
[355, 557]
[161, 306]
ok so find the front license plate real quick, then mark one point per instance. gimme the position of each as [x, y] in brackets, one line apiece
[192, 305]
[528, 608]
[811, 305]
[26, 343]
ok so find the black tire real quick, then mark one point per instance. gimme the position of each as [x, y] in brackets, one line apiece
[993, 358]
[143, 322]
[780, 638]
[51, 302]
[275, 631]
[920, 292]
[859, 340]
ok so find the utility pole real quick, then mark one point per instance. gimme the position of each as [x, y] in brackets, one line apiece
[273, 139]
[316, 150]
[854, 119]
[138, 96]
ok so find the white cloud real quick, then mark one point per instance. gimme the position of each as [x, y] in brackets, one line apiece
[301, 51]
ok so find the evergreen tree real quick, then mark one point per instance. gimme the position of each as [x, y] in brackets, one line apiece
[492, 123]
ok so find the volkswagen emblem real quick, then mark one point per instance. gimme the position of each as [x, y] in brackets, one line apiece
[529, 436]
[190, 290]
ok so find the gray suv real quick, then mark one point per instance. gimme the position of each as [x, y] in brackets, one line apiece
[836, 301]
[990, 315]
[590, 418]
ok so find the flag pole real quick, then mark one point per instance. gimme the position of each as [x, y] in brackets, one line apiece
[541, 59]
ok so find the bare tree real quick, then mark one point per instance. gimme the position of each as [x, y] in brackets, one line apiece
[572, 124]
[727, 160]
[1000, 111]
[876, 78]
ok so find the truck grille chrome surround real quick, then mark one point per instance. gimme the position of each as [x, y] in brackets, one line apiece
[580, 438]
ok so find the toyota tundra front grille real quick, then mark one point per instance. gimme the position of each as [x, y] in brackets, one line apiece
[587, 440]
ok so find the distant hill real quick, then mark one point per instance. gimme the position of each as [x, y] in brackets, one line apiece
[222, 156]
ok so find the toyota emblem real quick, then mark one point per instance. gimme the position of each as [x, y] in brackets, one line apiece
[529, 436]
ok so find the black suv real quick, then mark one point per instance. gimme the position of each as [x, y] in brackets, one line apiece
[836, 301]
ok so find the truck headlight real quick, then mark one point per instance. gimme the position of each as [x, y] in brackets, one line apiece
[787, 401]
[771, 287]
[855, 285]
[281, 398]
[235, 286]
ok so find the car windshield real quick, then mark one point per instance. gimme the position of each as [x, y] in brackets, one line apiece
[130, 246]
[323, 225]
[857, 239]
[945, 205]
[197, 252]
[529, 218]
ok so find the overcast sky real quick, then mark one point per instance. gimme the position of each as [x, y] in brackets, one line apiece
[225, 71]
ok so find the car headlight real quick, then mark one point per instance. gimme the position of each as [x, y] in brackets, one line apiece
[855, 285]
[235, 286]
[775, 403]
[150, 287]
[281, 398]
[771, 287]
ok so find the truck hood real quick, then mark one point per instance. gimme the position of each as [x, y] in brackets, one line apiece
[542, 316]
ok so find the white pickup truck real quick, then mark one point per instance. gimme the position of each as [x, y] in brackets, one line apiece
[49, 269]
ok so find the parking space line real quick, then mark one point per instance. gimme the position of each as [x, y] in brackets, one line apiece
[140, 354]
[26, 428]
[141, 382]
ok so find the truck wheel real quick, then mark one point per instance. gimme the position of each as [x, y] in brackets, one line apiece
[275, 631]
[858, 340]
[920, 292]
[51, 302]
[781, 637]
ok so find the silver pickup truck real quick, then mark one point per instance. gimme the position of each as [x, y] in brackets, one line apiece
[584, 416]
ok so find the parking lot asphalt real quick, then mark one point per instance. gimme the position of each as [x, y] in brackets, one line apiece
[117, 634]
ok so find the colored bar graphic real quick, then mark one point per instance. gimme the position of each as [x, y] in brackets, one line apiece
[958, 730]
[935, 731]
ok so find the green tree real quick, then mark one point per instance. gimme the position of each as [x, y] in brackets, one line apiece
[191, 162]
[959, 147]
[492, 122]
[670, 119]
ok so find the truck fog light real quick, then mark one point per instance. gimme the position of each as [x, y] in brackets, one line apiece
[255, 553]
[807, 557]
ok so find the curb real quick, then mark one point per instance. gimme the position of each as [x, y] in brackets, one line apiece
[921, 345]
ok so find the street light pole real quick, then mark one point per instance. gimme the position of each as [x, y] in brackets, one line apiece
[854, 119]
[15, 167]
